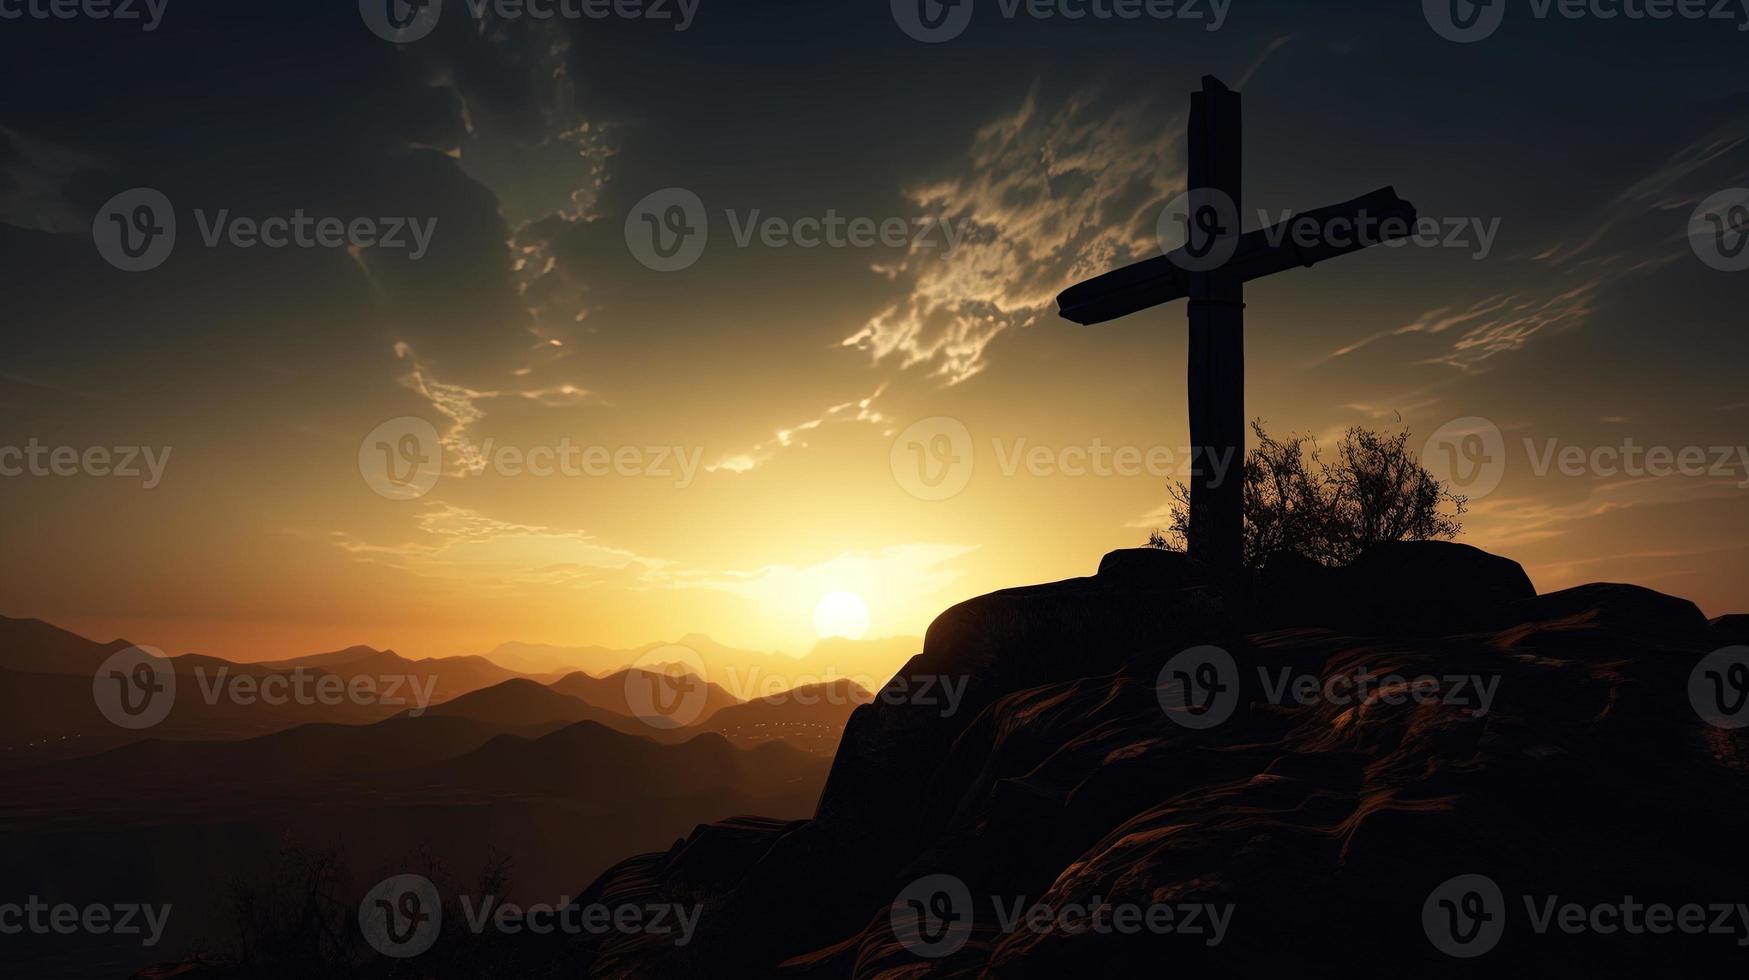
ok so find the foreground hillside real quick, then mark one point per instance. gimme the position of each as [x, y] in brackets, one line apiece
[1389, 769]
[1556, 752]
[48, 711]
[187, 823]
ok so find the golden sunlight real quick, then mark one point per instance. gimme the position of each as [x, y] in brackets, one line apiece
[841, 614]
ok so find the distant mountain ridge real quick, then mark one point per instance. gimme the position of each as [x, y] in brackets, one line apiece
[47, 710]
[615, 693]
[746, 674]
[525, 701]
[455, 676]
[559, 802]
[811, 718]
[498, 763]
[33, 646]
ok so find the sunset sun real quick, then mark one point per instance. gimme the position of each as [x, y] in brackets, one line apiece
[841, 614]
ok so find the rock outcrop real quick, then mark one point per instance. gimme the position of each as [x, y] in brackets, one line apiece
[1415, 717]
[1732, 629]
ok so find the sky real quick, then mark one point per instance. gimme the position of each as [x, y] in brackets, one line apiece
[493, 404]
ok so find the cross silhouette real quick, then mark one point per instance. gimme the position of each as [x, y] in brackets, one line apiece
[1210, 270]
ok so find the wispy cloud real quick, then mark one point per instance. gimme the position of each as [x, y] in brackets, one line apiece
[457, 403]
[1523, 317]
[1055, 191]
[1639, 231]
[464, 545]
[470, 553]
[1507, 522]
[1436, 321]
[461, 406]
[20, 379]
[558, 396]
[861, 410]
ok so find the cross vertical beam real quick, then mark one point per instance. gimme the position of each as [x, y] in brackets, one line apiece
[1217, 340]
[1210, 269]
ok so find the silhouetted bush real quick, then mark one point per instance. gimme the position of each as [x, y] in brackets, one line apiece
[292, 920]
[297, 919]
[1376, 491]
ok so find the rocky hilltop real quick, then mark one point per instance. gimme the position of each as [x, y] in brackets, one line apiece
[1392, 768]
[1414, 765]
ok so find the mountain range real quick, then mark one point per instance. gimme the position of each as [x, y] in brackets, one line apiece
[558, 779]
[47, 710]
[746, 673]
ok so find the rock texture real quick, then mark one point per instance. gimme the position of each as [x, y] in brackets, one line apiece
[1379, 731]
[1324, 824]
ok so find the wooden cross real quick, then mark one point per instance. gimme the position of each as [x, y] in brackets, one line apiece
[1211, 270]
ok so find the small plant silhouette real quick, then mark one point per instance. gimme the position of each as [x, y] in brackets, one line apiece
[1377, 491]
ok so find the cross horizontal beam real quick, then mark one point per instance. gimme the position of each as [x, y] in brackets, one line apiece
[1302, 241]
